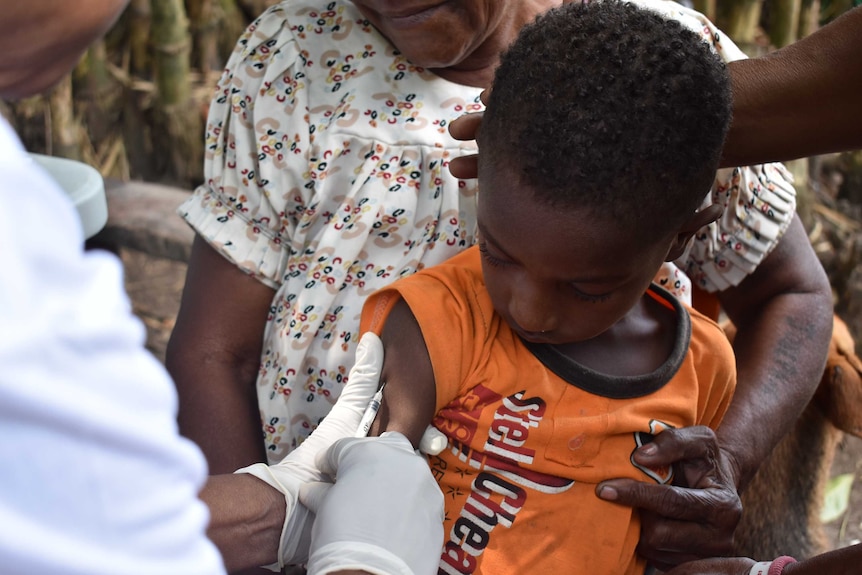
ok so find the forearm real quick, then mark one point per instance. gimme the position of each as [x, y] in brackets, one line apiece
[780, 353]
[214, 357]
[801, 100]
[246, 519]
[843, 561]
[218, 410]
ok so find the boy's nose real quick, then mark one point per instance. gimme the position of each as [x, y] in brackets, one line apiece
[533, 308]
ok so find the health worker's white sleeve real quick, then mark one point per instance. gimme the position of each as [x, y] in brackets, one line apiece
[94, 477]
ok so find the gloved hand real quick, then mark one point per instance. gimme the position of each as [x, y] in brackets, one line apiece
[298, 467]
[383, 515]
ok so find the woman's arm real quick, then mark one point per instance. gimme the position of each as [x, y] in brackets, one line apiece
[214, 355]
[783, 313]
[843, 561]
[246, 519]
[801, 100]
[783, 316]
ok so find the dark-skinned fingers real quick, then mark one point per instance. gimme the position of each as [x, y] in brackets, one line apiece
[465, 167]
[665, 560]
[717, 566]
[685, 542]
[670, 542]
[713, 471]
[719, 505]
[672, 445]
[466, 127]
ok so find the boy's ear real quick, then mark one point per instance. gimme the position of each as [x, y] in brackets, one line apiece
[690, 227]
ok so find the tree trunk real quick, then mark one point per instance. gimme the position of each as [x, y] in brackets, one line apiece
[783, 21]
[809, 18]
[706, 7]
[99, 92]
[177, 124]
[64, 138]
[740, 21]
[233, 24]
[204, 23]
[139, 22]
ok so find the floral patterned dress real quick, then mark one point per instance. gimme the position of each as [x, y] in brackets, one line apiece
[326, 178]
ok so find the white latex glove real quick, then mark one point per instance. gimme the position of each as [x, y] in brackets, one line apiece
[298, 467]
[383, 515]
[433, 441]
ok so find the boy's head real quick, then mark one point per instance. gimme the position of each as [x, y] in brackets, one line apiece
[600, 140]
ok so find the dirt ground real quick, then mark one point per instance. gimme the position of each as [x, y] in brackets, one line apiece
[155, 286]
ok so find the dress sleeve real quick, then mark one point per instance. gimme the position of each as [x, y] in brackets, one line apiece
[759, 204]
[253, 190]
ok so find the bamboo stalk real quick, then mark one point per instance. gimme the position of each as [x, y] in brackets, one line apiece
[809, 21]
[31, 120]
[100, 94]
[139, 21]
[809, 18]
[253, 8]
[784, 21]
[204, 22]
[178, 126]
[171, 47]
[706, 7]
[835, 8]
[740, 21]
[64, 128]
[233, 22]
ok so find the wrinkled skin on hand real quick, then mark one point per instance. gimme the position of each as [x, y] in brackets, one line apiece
[697, 515]
[718, 566]
[466, 128]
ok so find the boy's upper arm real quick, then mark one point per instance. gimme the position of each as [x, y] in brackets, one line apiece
[410, 396]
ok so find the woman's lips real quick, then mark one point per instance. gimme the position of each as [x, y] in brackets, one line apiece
[410, 17]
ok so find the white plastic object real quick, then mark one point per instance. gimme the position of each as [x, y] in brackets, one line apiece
[84, 185]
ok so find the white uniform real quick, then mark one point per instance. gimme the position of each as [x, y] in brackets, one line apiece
[94, 477]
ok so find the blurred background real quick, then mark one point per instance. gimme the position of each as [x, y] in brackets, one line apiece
[135, 108]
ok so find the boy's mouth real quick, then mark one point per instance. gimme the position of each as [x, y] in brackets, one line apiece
[535, 336]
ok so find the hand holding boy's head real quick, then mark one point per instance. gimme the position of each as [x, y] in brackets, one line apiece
[41, 41]
[611, 108]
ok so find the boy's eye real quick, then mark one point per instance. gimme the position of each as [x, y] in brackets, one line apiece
[588, 297]
[489, 257]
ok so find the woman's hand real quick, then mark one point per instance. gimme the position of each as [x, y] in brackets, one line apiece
[695, 517]
[466, 128]
[717, 566]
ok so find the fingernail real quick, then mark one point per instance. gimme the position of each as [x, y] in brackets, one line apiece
[649, 449]
[608, 493]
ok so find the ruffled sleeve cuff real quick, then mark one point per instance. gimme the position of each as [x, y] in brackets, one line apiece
[759, 204]
[251, 247]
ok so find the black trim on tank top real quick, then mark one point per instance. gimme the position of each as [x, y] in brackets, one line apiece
[615, 386]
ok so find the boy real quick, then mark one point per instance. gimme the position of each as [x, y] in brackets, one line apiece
[544, 353]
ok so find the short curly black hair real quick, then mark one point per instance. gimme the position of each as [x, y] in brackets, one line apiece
[612, 108]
